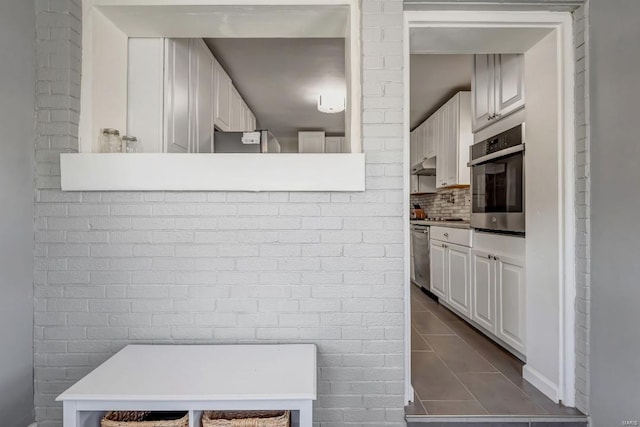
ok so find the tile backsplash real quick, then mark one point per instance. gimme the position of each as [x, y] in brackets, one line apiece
[447, 203]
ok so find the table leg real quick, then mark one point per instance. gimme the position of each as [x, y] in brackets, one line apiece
[70, 414]
[306, 414]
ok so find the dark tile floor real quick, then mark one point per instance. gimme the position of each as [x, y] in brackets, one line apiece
[458, 371]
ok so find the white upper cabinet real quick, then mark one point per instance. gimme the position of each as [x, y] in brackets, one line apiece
[177, 97]
[430, 137]
[223, 98]
[453, 138]
[202, 67]
[178, 92]
[497, 87]
[483, 104]
[237, 111]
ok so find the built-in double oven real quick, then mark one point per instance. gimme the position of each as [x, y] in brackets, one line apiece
[497, 182]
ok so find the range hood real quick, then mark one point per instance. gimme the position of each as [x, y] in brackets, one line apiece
[426, 167]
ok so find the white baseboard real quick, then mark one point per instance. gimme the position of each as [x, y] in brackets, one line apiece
[542, 383]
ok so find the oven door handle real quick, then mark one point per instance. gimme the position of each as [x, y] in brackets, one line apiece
[497, 155]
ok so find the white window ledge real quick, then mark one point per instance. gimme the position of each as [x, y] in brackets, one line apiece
[212, 172]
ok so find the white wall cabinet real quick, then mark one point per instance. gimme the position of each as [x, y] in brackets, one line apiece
[497, 87]
[222, 98]
[178, 94]
[202, 76]
[498, 289]
[453, 138]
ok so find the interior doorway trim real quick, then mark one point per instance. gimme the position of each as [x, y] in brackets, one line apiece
[501, 17]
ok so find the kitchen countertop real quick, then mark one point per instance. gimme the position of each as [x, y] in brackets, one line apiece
[449, 224]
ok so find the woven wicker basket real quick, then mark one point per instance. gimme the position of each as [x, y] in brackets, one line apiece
[246, 419]
[144, 419]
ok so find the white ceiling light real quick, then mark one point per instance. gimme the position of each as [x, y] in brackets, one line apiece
[331, 103]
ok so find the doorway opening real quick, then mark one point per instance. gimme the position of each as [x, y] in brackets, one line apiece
[492, 332]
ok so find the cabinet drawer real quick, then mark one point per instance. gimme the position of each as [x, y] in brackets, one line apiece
[458, 236]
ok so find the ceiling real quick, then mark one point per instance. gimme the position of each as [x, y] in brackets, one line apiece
[475, 40]
[281, 78]
[435, 79]
[229, 21]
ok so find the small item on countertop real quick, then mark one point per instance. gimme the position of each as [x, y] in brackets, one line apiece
[417, 214]
[110, 141]
[130, 144]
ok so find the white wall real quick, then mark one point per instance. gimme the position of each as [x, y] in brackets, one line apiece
[615, 182]
[17, 138]
[543, 214]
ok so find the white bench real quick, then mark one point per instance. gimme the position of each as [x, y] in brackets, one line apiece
[197, 378]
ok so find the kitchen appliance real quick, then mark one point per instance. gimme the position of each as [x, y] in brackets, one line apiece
[425, 167]
[420, 246]
[260, 141]
[497, 182]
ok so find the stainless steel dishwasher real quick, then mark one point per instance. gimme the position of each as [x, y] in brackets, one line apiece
[420, 242]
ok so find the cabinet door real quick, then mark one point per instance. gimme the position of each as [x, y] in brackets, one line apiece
[414, 184]
[249, 119]
[237, 115]
[430, 145]
[438, 259]
[483, 309]
[413, 148]
[510, 296]
[424, 141]
[442, 159]
[482, 91]
[451, 159]
[222, 99]
[203, 95]
[311, 142]
[459, 278]
[333, 144]
[509, 81]
[177, 99]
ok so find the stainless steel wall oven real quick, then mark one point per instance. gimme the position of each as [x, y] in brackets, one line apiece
[497, 182]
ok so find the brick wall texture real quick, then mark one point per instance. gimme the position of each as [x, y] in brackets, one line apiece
[165, 267]
[327, 268]
[583, 249]
[446, 203]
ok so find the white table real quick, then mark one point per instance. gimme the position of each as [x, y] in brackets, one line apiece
[196, 378]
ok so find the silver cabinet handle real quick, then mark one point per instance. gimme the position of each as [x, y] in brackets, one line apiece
[446, 235]
[496, 258]
[489, 256]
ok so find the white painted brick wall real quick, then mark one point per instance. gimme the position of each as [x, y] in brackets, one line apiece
[119, 268]
[583, 185]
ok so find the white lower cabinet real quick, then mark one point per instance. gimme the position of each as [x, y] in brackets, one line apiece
[459, 278]
[498, 289]
[438, 261]
[334, 144]
[311, 142]
[450, 274]
[510, 296]
[483, 310]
